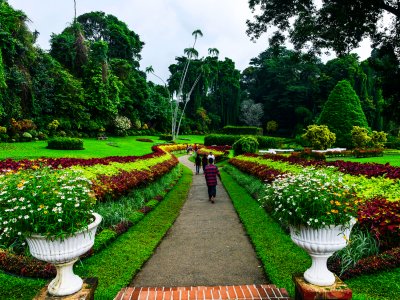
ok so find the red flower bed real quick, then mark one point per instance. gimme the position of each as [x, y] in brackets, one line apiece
[384, 261]
[120, 184]
[352, 168]
[255, 169]
[382, 217]
[26, 266]
[10, 164]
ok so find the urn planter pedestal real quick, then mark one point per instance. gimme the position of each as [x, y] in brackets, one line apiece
[63, 254]
[320, 244]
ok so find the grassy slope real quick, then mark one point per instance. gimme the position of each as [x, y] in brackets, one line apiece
[116, 265]
[120, 146]
[281, 257]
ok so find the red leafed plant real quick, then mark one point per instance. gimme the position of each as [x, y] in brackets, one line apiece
[382, 217]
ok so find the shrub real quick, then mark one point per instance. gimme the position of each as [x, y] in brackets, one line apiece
[122, 124]
[3, 130]
[21, 126]
[358, 153]
[64, 143]
[319, 136]
[245, 130]
[378, 139]
[53, 125]
[383, 219]
[360, 137]
[220, 139]
[272, 126]
[166, 137]
[144, 140]
[341, 112]
[224, 139]
[27, 136]
[246, 144]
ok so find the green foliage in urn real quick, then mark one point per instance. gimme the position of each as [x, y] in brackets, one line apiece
[246, 144]
[341, 112]
[314, 198]
[319, 136]
[44, 201]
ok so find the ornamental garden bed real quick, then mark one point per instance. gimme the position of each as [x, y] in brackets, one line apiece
[113, 179]
[378, 209]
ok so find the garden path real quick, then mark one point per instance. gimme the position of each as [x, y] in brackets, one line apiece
[206, 246]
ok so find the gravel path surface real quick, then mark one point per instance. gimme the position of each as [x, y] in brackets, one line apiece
[206, 246]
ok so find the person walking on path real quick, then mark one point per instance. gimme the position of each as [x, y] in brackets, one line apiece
[211, 172]
[197, 163]
[204, 162]
[211, 155]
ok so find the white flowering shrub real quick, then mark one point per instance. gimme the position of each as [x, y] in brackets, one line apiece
[122, 123]
[312, 198]
[44, 201]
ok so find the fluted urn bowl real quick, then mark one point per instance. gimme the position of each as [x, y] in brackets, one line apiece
[320, 244]
[63, 254]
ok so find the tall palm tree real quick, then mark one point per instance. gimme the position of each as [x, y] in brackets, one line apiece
[214, 52]
[191, 52]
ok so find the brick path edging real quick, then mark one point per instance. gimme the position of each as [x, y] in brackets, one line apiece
[239, 292]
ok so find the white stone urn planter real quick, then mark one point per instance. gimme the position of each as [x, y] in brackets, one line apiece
[320, 244]
[63, 254]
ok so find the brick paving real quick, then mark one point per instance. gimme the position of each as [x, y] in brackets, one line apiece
[205, 255]
[239, 292]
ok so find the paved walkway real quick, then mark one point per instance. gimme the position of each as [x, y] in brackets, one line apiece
[206, 255]
[206, 246]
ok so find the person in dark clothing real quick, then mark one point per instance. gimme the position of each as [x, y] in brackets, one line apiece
[211, 172]
[197, 163]
[204, 162]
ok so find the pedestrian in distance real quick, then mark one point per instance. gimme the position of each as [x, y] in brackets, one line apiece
[211, 172]
[211, 155]
[197, 163]
[204, 162]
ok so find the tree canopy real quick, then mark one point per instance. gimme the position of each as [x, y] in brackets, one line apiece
[339, 25]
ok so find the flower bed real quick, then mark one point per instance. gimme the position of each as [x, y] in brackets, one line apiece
[366, 187]
[378, 214]
[352, 168]
[386, 260]
[111, 178]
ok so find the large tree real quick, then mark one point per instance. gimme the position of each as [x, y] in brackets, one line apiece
[341, 112]
[339, 24]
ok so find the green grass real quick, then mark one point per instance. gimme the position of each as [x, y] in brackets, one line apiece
[281, 257]
[114, 146]
[116, 265]
[392, 159]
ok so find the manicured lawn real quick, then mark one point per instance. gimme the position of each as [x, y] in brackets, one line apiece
[114, 146]
[392, 159]
[115, 265]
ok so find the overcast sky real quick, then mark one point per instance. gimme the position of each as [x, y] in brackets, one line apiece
[165, 26]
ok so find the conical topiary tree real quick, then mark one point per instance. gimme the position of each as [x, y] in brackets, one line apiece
[341, 112]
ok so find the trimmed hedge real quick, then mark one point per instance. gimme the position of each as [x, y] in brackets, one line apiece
[65, 143]
[165, 137]
[224, 139]
[245, 130]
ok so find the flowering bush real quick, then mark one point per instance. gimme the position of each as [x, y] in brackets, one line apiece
[122, 123]
[45, 201]
[311, 198]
